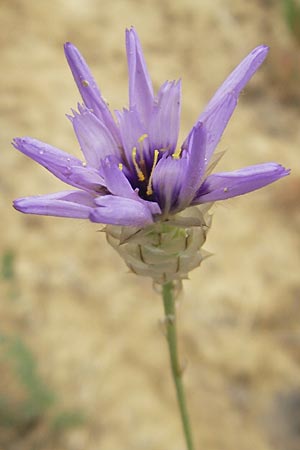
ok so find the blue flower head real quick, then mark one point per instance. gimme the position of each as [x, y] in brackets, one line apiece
[134, 173]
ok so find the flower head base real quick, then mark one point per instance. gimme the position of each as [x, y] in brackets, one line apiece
[165, 251]
[135, 175]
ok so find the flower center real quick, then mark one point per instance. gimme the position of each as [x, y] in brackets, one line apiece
[140, 167]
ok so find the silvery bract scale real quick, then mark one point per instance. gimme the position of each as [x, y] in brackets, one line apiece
[165, 251]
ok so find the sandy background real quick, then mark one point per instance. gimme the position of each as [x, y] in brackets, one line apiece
[93, 327]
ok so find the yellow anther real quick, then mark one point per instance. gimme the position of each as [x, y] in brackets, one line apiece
[143, 137]
[120, 165]
[177, 153]
[139, 172]
[149, 186]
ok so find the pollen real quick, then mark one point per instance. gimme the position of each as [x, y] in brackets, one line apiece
[225, 189]
[84, 164]
[149, 186]
[120, 165]
[85, 83]
[138, 170]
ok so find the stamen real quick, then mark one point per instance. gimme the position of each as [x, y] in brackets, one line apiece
[139, 172]
[149, 186]
[120, 165]
[177, 153]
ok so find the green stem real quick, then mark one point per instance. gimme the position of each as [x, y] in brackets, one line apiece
[170, 319]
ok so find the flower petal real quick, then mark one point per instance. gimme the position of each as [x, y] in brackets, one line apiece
[140, 85]
[115, 210]
[115, 180]
[165, 119]
[215, 121]
[240, 76]
[168, 178]
[195, 166]
[132, 131]
[63, 165]
[95, 140]
[218, 111]
[221, 186]
[88, 88]
[76, 204]
[117, 184]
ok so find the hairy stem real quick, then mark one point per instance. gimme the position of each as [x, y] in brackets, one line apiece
[170, 320]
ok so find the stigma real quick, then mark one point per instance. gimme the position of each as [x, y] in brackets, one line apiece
[139, 172]
[149, 185]
[177, 153]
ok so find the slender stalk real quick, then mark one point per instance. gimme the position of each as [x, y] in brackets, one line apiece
[170, 319]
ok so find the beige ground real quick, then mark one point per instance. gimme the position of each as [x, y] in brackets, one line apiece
[92, 326]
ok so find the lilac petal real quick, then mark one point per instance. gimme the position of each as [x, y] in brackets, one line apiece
[117, 184]
[168, 177]
[195, 166]
[221, 186]
[88, 88]
[122, 211]
[115, 180]
[95, 140]
[220, 108]
[240, 76]
[76, 204]
[215, 121]
[140, 85]
[132, 130]
[165, 119]
[63, 165]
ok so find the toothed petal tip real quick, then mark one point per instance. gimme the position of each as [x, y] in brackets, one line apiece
[131, 30]
[19, 142]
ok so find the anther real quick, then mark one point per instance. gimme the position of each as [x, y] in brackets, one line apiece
[149, 186]
[120, 165]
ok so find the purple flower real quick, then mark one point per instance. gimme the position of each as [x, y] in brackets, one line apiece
[134, 174]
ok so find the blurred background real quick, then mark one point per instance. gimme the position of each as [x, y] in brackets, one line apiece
[83, 361]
